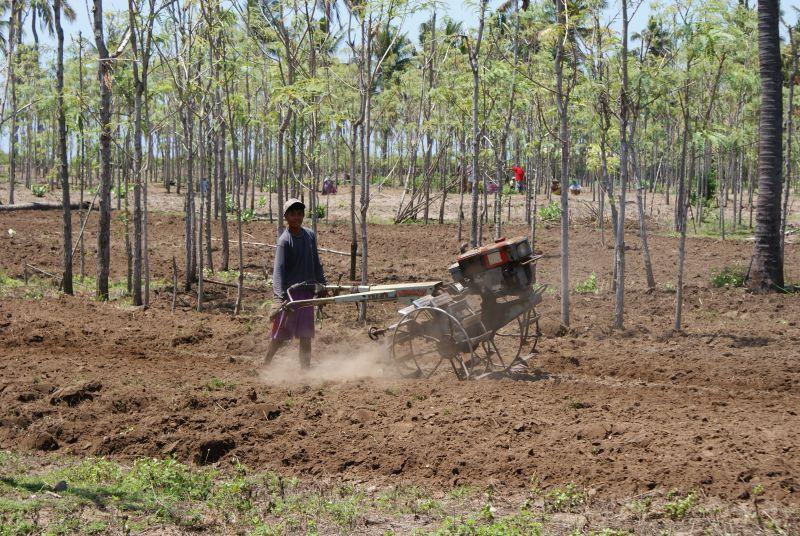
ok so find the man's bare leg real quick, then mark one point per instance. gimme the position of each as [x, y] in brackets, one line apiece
[274, 346]
[305, 354]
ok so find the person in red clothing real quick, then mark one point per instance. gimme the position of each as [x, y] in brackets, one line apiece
[519, 177]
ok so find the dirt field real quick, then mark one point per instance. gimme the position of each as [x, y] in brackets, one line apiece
[620, 414]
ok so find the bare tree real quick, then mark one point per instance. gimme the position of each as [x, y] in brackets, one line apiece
[619, 301]
[562, 102]
[104, 79]
[474, 56]
[63, 170]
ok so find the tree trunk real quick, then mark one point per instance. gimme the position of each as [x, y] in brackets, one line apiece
[104, 224]
[766, 267]
[789, 139]
[619, 298]
[474, 58]
[14, 28]
[563, 134]
[137, 159]
[63, 170]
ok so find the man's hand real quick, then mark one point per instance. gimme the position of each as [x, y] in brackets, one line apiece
[320, 291]
[275, 309]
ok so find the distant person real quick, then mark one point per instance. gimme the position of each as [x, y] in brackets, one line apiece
[575, 188]
[519, 178]
[555, 187]
[328, 187]
[296, 261]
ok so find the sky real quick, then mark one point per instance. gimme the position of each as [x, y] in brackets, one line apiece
[456, 9]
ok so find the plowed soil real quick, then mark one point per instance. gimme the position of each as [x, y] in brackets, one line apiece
[620, 412]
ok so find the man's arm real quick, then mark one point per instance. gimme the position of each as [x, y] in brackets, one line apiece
[319, 273]
[278, 272]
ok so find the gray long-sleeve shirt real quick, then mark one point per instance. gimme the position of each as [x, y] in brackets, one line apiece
[296, 261]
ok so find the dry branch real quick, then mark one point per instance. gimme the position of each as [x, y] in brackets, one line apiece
[42, 206]
[273, 246]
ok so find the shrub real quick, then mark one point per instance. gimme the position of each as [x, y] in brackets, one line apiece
[588, 286]
[728, 278]
[320, 210]
[248, 215]
[39, 190]
[551, 212]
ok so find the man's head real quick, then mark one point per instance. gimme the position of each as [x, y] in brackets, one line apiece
[294, 211]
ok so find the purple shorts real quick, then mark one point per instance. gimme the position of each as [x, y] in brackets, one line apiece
[296, 324]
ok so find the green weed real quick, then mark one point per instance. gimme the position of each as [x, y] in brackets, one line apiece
[8, 283]
[577, 404]
[728, 277]
[484, 523]
[40, 190]
[587, 286]
[564, 499]
[680, 508]
[551, 212]
[214, 384]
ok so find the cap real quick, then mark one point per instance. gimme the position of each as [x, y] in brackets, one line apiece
[292, 203]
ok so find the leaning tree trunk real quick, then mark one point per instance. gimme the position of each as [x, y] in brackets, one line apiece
[766, 268]
[63, 171]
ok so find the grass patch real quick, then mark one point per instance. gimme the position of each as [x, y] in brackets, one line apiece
[62, 495]
[8, 283]
[728, 277]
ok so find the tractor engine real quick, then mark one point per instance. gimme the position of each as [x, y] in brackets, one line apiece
[497, 269]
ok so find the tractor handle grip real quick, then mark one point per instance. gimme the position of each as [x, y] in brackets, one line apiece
[375, 333]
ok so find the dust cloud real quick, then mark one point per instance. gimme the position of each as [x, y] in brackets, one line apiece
[339, 363]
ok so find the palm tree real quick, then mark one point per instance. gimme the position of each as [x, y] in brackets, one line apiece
[397, 49]
[42, 10]
[766, 266]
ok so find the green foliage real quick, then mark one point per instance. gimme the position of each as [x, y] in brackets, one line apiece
[728, 277]
[214, 384]
[484, 523]
[587, 286]
[40, 190]
[248, 215]
[320, 210]
[680, 507]
[564, 499]
[7, 282]
[551, 212]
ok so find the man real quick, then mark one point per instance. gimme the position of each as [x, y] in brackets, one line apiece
[519, 177]
[296, 261]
